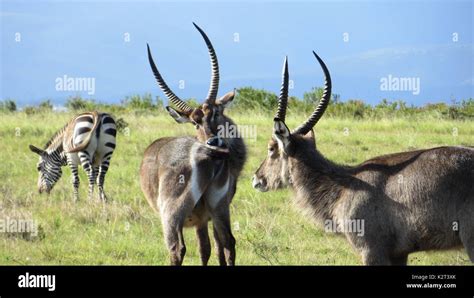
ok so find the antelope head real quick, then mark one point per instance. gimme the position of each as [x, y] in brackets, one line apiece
[274, 172]
[207, 117]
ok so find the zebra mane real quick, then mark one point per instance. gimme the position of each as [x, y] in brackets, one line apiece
[56, 139]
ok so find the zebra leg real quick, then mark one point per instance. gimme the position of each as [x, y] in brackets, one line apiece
[93, 179]
[75, 179]
[87, 165]
[101, 177]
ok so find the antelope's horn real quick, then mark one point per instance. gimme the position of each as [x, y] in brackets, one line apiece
[323, 103]
[180, 104]
[213, 88]
[283, 99]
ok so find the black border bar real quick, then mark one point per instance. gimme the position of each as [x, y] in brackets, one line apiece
[289, 281]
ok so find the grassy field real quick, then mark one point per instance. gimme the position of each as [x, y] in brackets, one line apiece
[268, 229]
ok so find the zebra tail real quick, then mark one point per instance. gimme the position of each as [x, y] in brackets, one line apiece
[86, 142]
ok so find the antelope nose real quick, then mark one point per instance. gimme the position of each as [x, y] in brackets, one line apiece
[215, 142]
[256, 182]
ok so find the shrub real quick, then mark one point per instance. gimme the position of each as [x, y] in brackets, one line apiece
[45, 105]
[137, 102]
[29, 110]
[8, 105]
[121, 124]
[249, 98]
[77, 103]
[192, 102]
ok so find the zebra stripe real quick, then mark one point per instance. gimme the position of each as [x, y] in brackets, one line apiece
[83, 126]
[85, 118]
[111, 131]
[108, 119]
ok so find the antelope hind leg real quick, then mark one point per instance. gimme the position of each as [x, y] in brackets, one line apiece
[204, 242]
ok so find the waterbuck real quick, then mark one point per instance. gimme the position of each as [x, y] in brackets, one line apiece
[87, 139]
[407, 202]
[191, 180]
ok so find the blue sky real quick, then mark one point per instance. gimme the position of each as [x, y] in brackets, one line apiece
[404, 39]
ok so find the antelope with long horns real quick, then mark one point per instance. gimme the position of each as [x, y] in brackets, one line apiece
[192, 180]
[407, 202]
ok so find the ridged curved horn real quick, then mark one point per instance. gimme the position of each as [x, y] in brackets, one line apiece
[283, 99]
[184, 107]
[323, 103]
[213, 88]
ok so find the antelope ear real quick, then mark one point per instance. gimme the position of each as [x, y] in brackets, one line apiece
[310, 136]
[281, 133]
[226, 99]
[36, 150]
[177, 116]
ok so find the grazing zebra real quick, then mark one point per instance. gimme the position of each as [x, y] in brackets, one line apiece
[88, 139]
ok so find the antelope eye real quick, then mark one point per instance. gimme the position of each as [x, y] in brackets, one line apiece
[270, 149]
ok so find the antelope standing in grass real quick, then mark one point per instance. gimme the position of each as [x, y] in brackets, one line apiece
[191, 180]
[409, 201]
[88, 139]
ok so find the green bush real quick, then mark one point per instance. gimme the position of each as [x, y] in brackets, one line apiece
[121, 124]
[249, 98]
[77, 103]
[45, 105]
[192, 102]
[259, 100]
[8, 105]
[29, 110]
[137, 102]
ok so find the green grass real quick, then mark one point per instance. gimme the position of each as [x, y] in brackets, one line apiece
[268, 229]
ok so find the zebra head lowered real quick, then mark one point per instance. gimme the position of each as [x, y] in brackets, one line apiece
[49, 168]
[208, 117]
